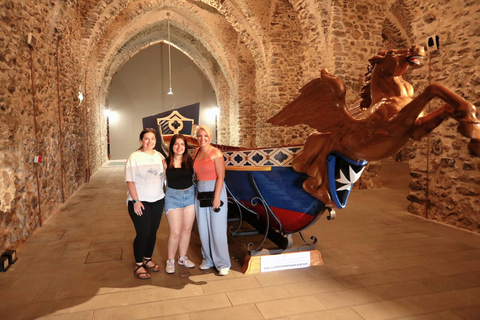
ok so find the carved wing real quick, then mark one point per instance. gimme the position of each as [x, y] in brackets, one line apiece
[321, 105]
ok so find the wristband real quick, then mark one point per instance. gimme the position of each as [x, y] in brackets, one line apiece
[135, 201]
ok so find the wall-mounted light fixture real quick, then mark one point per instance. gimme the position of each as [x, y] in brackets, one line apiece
[31, 40]
[80, 94]
[107, 114]
[80, 97]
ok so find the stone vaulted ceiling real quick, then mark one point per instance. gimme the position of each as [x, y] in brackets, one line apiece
[209, 32]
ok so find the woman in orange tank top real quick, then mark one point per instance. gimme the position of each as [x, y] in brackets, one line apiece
[209, 167]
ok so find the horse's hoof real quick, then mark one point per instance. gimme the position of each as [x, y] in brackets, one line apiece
[474, 147]
[469, 130]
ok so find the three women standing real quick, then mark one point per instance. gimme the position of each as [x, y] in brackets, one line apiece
[209, 167]
[179, 202]
[144, 175]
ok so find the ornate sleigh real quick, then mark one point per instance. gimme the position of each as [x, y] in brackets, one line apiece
[268, 193]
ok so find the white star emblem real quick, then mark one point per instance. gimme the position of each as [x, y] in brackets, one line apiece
[354, 176]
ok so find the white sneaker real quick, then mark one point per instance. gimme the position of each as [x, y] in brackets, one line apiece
[184, 261]
[170, 268]
[223, 272]
[205, 265]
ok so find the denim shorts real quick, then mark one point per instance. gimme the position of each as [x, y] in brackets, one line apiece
[179, 199]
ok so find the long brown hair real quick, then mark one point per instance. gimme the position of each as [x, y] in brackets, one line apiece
[187, 161]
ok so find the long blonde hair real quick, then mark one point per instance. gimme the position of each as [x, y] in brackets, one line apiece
[206, 129]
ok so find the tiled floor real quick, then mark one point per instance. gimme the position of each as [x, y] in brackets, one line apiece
[380, 263]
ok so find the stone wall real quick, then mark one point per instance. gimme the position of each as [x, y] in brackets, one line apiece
[40, 116]
[445, 178]
[283, 76]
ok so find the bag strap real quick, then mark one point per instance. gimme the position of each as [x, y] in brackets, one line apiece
[194, 176]
[208, 155]
[195, 156]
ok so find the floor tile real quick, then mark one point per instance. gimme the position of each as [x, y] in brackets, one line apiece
[348, 298]
[363, 280]
[195, 304]
[401, 289]
[467, 313]
[336, 314]
[227, 285]
[446, 315]
[444, 301]
[248, 311]
[387, 309]
[257, 295]
[70, 316]
[313, 287]
[289, 307]
[132, 312]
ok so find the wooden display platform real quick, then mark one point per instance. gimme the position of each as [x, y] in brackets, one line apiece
[253, 264]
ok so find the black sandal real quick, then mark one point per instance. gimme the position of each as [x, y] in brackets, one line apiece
[139, 274]
[155, 267]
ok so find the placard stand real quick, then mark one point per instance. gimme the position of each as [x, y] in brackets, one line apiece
[265, 262]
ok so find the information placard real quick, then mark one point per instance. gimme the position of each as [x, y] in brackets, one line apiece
[285, 261]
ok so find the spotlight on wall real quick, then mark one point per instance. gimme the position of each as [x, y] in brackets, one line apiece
[4, 264]
[8, 258]
[80, 97]
[31, 40]
[111, 116]
[11, 255]
[213, 112]
[433, 43]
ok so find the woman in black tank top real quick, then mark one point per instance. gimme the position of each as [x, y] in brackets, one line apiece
[179, 202]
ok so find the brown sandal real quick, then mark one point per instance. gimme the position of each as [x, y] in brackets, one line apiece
[154, 268]
[141, 275]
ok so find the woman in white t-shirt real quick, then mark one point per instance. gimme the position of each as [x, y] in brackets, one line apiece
[144, 174]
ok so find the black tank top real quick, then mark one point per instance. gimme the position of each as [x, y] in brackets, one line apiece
[179, 178]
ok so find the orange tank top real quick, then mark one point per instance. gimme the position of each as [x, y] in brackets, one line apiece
[205, 168]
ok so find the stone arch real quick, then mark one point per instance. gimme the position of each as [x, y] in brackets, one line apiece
[394, 34]
[237, 14]
[207, 59]
[124, 12]
[208, 43]
[152, 28]
[315, 21]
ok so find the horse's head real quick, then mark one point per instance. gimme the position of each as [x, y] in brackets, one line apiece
[396, 62]
[389, 63]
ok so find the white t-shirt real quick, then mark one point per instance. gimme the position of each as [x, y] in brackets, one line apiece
[148, 174]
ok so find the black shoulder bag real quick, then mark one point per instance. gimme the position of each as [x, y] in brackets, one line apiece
[205, 198]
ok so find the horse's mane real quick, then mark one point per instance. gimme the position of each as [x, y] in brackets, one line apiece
[365, 92]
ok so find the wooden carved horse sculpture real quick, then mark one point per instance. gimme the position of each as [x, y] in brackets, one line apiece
[390, 119]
